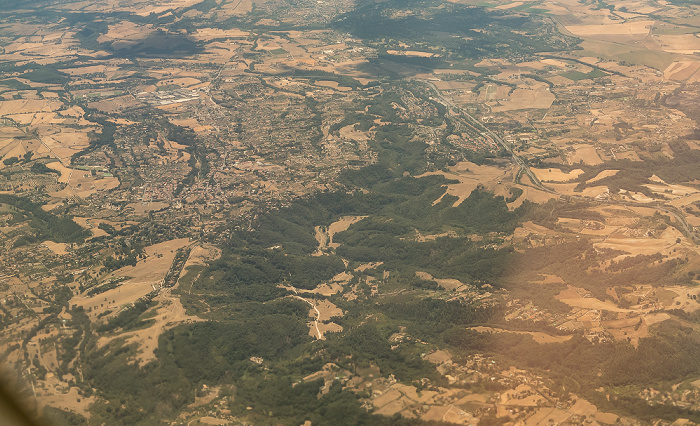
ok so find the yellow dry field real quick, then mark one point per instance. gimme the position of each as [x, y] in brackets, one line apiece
[76, 113]
[585, 227]
[92, 225]
[321, 312]
[115, 104]
[328, 310]
[169, 314]
[684, 201]
[514, 397]
[536, 98]
[145, 207]
[83, 184]
[556, 175]
[636, 196]
[333, 85]
[125, 30]
[574, 297]
[494, 92]
[686, 44]
[10, 132]
[89, 70]
[47, 49]
[664, 244]
[182, 82]
[537, 336]
[583, 408]
[414, 53]
[602, 175]
[681, 70]
[531, 194]
[218, 53]
[236, 7]
[568, 189]
[113, 300]
[36, 119]
[147, 7]
[192, 123]
[170, 311]
[138, 7]
[586, 154]
[202, 256]
[509, 5]
[64, 144]
[529, 228]
[548, 279]
[671, 190]
[469, 176]
[69, 400]
[339, 226]
[446, 283]
[628, 155]
[449, 414]
[454, 85]
[328, 289]
[11, 148]
[623, 30]
[681, 299]
[349, 132]
[17, 107]
[58, 248]
[142, 279]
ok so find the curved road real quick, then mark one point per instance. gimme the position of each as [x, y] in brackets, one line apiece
[457, 112]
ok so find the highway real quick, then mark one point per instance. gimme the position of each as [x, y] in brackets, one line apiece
[456, 112]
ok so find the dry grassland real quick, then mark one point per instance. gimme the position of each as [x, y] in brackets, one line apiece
[141, 279]
[81, 183]
[236, 7]
[681, 70]
[538, 97]
[22, 106]
[586, 154]
[509, 5]
[446, 283]
[537, 336]
[58, 248]
[602, 175]
[626, 30]
[576, 298]
[64, 144]
[333, 85]
[686, 44]
[633, 246]
[568, 189]
[125, 31]
[556, 175]
[56, 395]
[413, 53]
[339, 226]
[119, 103]
[169, 314]
[469, 175]
[205, 34]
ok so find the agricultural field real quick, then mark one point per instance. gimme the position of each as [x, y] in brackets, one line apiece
[424, 212]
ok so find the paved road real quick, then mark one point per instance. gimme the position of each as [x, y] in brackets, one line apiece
[457, 112]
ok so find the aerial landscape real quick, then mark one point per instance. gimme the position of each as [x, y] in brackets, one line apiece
[351, 212]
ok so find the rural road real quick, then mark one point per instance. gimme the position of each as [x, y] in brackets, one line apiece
[319, 335]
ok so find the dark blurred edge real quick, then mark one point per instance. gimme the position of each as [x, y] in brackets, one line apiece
[12, 411]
